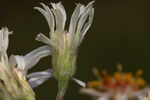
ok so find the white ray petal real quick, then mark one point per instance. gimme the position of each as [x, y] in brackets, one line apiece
[88, 24]
[84, 16]
[60, 15]
[37, 78]
[34, 56]
[84, 22]
[28, 61]
[75, 17]
[4, 34]
[42, 38]
[47, 13]
[81, 83]
[94, 93]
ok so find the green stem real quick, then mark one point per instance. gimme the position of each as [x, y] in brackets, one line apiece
[62, 87]
[59, 96]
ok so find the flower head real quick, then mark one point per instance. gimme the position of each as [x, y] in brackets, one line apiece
[65, 43]
[14, 76]
[119, 86]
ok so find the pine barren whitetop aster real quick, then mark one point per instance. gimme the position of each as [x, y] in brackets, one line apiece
[14, 70]
[65, 43]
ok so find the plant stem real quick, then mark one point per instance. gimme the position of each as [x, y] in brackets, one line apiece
[59, 96]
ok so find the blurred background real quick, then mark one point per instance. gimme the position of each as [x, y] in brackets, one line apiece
[120, 34]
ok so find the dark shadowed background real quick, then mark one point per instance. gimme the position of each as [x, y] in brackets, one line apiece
[120, 34]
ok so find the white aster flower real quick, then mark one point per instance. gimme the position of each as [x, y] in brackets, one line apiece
[65, 43]
[14, 70]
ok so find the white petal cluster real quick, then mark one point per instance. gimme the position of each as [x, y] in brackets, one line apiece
[23, 63]
[81, 21]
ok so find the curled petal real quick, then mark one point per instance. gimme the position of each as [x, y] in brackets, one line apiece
[84, 16]
[88, 24]
[60, 15]
[4, 34]
[75, 17]
[28, 61]
[47, 13]
[34, 56]
[37, 78]
[84, 22]
[42, 38]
